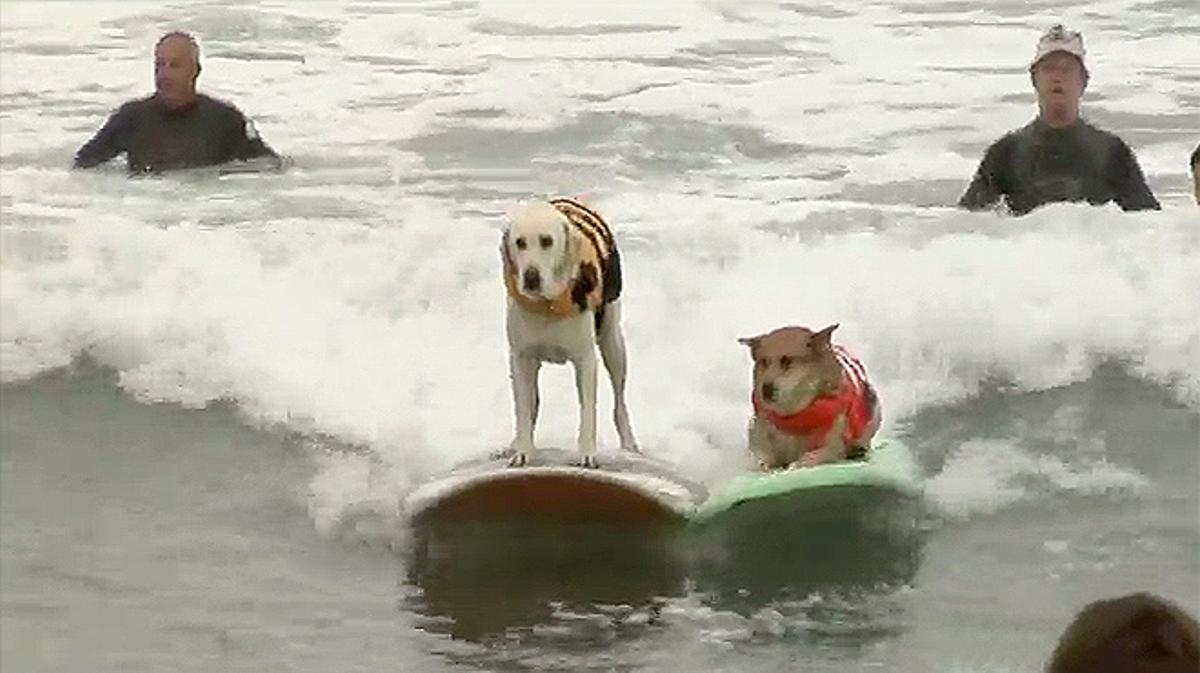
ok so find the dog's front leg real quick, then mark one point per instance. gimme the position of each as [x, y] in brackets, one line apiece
[758, 441]
[524, 374]
[833, 448]
[585, 385]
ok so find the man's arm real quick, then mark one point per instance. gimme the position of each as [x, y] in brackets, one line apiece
[106, 144]
[986, 187]
[247, 144]
[1128, 183]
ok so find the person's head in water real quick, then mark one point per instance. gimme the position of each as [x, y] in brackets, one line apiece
[1059, 76]
[1196, 173]
[1135, 633]
[176, 67]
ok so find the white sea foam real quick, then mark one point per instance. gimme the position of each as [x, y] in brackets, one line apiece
[358, 296]
[985, 477]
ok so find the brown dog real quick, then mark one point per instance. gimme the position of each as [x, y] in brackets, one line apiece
[1138, 633]
[812, 401]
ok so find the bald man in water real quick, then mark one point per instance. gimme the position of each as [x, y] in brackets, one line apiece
[176, 127]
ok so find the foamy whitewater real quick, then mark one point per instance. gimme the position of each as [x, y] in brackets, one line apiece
[761, 166]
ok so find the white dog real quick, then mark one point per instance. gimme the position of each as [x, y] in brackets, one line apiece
[563, 275]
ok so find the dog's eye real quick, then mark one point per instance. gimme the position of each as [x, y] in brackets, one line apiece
[546, 242]
[785, 362]
[521, 243]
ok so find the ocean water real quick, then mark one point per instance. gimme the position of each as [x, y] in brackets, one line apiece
[215, 390]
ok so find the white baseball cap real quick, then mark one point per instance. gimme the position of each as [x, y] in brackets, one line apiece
[1059, 38]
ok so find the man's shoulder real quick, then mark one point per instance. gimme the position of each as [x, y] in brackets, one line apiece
[1003, 145]
[218, 106]
[135, 106]
[1100, 136]
[1022, 133]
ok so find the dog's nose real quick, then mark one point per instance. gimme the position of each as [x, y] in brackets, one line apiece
[768, 392]
[532, 280]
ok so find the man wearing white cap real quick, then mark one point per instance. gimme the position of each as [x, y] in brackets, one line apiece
[1058, 156]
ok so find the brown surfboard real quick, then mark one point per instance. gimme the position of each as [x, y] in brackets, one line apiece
[628, 489]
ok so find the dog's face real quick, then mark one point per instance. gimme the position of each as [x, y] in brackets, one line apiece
[793, 366]
[539, 245]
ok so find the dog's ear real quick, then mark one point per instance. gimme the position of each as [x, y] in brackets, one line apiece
[567, 264]
[752, 343]
[823, 338]
[505, 255]
[570, 244]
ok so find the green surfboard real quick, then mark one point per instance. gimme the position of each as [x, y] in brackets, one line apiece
[890, 468]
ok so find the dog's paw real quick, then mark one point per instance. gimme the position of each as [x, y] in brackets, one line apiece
[519, 459]
[807, 460]
[632, 447]
[589, 461]
[505, 452]
[762, 462]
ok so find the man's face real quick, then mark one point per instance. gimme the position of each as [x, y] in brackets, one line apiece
[175, 70]
[1059, 80]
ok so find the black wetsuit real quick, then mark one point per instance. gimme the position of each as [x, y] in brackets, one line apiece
[1036, 165]
[154, 137]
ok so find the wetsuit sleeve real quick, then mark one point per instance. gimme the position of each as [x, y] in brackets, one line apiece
[987, 186]
[1128, 183]
[108, 142]
[246, 143]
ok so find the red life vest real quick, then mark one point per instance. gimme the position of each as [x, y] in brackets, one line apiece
[854, 398]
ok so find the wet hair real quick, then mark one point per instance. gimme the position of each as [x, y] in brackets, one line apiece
[185, 36]
[1136, 633]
